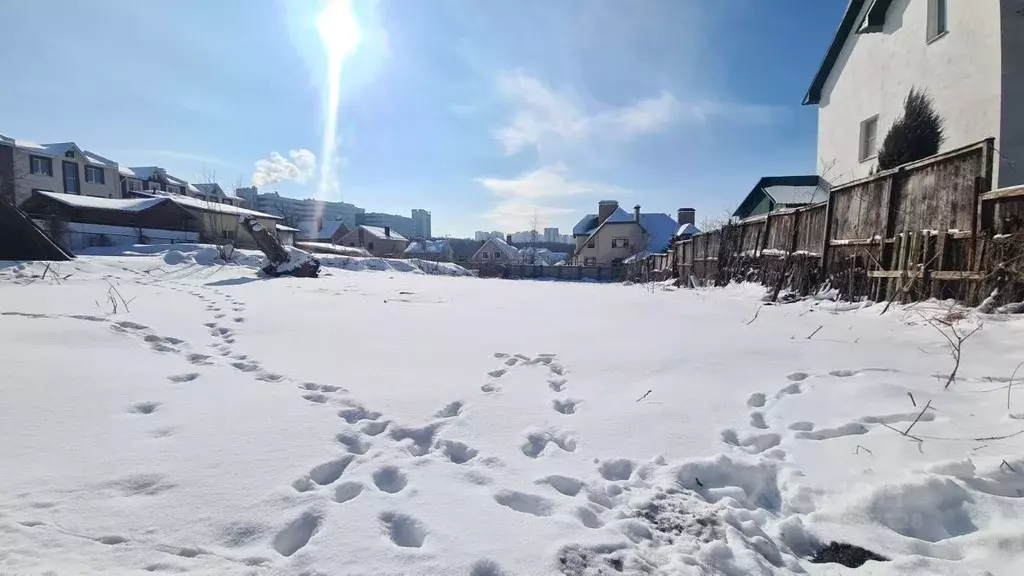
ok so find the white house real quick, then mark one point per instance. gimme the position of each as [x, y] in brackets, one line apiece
[212, 192]
[497, 251]
[967, 55]
[146, 178]
[60, 168]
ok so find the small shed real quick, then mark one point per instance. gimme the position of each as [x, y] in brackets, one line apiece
[377, 240]
[780, 192]
[78, 222]
[435, 250]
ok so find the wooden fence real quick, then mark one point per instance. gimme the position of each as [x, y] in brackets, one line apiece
[930, 228]
[520, 271]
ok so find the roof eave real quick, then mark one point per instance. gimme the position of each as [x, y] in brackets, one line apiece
[849, 20]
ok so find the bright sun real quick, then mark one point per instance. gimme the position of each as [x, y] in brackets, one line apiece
[339, 31]
[338, 28]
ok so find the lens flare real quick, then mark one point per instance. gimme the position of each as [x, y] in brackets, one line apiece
[339, 31]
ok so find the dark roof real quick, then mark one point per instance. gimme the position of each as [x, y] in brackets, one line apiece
[846, 26]
[588, 224]
[787, 190]
[22, 239]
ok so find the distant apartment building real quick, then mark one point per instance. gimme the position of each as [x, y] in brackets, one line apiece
[420, 223]
[482, 236]
[551, 234]
[403, 225]
[295, 210]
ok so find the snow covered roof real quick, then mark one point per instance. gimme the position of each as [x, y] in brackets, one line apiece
[589, 223]
[687, 230]
[209, 187]
[378, 232]
[796, 194]
[428, 247]
[498, 244]
[661, 228]
[206, 206]
[142, 172]
[783, 191]
[317, 229]
[126, 171]
[284, 228]
[6, 140]
[59, 150]
[94, 203]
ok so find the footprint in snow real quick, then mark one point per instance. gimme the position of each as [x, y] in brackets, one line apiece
[297, 533]
[457, 452]
[616, 469]
[566, 485]
[144, 407]
[756, 400]
[353, 443]
[757, 421]
[402, 530]
[557, 384]
[497, 373]
[390, 479]
[181, 378]
[525, 503]
[347, 491]
[567, 406]
[451, 410]
[797, 376]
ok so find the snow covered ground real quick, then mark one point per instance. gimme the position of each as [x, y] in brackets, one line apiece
[388, 423]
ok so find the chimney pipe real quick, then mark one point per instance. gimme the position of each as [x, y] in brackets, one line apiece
[360, 235]
[636, 213]
[508, 239]
[605, 208]
[387, 231]
[687, 216]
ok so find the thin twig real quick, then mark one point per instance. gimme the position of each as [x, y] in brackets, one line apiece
[912, 401]
[1007, 464]
[815, 332]
[859, 448]
[646, 394]
[925, 409]
[902, 433]
[756, 312]
[1010, 385]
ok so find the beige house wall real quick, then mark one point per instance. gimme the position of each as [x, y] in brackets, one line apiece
[216, 226]
[25, 182]
[376, 246]
[603, 251]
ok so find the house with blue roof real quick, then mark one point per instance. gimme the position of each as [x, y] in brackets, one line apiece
[613, 235]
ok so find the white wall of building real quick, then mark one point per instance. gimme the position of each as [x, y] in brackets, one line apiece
[960, 70]
[25, 182]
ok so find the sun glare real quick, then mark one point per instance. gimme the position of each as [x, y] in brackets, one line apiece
[339, 31]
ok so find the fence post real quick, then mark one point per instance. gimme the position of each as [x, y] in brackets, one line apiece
[827, 242]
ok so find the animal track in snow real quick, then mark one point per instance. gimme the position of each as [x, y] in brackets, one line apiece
[457, 452]
[752, 444]
[757, 421]
[353, 443]
[390, 479]
[402, 530]
[269, 376]
[557, 384]
[566, 485]
[347, 491]
[497, 373]
[486, 568]
[144, 407]
[567, 406]
[587, 517]
[182, 378]
[844, 373]
[246, 366]
[901, 417]
[793, 388]
[238, 319]
[802, 425]
[616, 469]
[316, 398]
[421, 438]
[371, 428]
[198, 359]
[556, 369]
[797, 376]
[850, 429]
[355, 413]
[451, 410]
[512, 361]
[490, 388]
[537, 441]
[328, 472]
[297, 533]
[525, 503]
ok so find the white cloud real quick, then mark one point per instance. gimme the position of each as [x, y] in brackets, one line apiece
[300, 166]
[543, 115]
[521, 196]
[545, 182]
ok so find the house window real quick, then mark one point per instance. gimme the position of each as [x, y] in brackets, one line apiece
[590, 261]
[174, 189]
[134, 185]
[591, 243]
[70, 177]
[869, 138]
[620, 242]
[938, 19]
[40, 165]
[369, 246]
[497, 255]
[94, 175]
[69, 154]
[485, 255]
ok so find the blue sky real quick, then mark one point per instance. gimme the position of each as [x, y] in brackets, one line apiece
[485, 112]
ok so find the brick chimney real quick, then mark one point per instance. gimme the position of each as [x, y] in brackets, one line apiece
[387, 231]
[687, 216]
[636, 213]
[605, 208]
[508, 239]
[361, 230]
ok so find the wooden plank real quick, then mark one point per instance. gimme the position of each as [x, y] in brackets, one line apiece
[957, 275]
[893, 266]
[1011, 192]
[975, 222]
[830, 209]
[941, 243]
[927, 253]
[893, 274]
[855, 242]
[909, 265]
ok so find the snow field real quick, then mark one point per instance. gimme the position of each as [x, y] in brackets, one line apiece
[394, 423]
